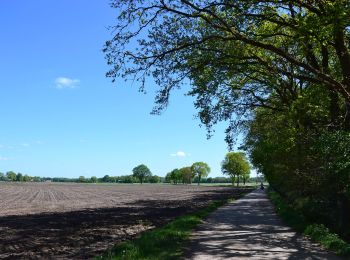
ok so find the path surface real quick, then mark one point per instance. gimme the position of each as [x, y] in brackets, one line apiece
[249, 229]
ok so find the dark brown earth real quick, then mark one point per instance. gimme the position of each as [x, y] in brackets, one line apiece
[80, 221]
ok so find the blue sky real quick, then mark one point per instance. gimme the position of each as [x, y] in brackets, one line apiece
[60, 115]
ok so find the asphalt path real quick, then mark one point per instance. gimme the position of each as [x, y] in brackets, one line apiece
[250, 229]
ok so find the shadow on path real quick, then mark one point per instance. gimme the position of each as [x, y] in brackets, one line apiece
[249, 229]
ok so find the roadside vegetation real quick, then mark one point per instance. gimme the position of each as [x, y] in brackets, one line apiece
[166, 242]
[316, 231]
[277, 72]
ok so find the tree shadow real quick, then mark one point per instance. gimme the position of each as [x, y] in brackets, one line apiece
[249, 228]
[87, 233]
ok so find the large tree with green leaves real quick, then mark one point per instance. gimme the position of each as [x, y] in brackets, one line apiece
[12, 176]
[200, 169]
[186, 174]
[307, 163]
[236, 53]
[236, 166]
[279, 70]
[174, 176]
[141, 172]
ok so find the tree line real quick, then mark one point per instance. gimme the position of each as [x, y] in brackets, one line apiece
[235, 165]
[276, 71]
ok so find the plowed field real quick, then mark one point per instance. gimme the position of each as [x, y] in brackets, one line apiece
[79, 221]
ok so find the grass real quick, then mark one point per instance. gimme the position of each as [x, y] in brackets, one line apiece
[317, 232]
[165, 242]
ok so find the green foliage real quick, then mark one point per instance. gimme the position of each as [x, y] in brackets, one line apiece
[141, 172]
[289, 214]
[200, 169]
[174, 176]
[186, 174]
[12, 176]
[162, 243]
[236, 166]
[317, 232]
[321, 234]
[239, 55]
[154, 179]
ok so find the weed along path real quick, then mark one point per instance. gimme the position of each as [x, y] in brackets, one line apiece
[249, 229]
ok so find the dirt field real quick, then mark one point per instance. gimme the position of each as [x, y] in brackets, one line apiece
[60, 221]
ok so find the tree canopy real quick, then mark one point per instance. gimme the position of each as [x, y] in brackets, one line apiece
[236, 54]
[200, 169]
[236, 166]
[278, 71]
[141, 172]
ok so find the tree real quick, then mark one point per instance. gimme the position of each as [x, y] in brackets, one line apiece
[81, 179]
[154, 179]
[93, 179]
[175, 176]
[105, 178]
[12, 176]
[236, 53]
[141, 172]
[235, 165]
[26, 178]
[200, 169]
[19, 177]
[186, 174]
[279, 70]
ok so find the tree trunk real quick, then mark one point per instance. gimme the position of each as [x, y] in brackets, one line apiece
[345, 215]
[334, 109]
[237, 180]
[347, 116]
[199, 179]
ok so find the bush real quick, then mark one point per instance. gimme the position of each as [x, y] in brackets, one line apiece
[321, 234]
[316, 232]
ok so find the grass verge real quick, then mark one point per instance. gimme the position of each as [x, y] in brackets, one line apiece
[317, 232]
[165, 242]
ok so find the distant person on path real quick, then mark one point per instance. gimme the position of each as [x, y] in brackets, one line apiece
[261, 186]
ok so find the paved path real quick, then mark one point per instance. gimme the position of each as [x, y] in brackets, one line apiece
[249, 229]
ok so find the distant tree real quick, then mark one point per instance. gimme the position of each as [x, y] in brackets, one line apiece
[81, 179]
[26, 178]
[36, 179]
[2, 176]
[187, 175]
[174, 176]
[141, 172]
[235, 165]
[93, 179]
[12, 176]
[19, 177]
[105, 178]
[200, 169]
[168, 177]
[128, 179]
[154, 179]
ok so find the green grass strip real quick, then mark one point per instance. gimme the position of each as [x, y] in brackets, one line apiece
[317, 232]
[165, 242]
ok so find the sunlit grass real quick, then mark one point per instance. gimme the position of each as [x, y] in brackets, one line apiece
[166, 242]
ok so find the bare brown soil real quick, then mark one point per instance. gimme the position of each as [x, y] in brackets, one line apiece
[79, 221]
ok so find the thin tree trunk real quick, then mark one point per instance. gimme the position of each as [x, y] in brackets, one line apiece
[345, 215]
[347, 116]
